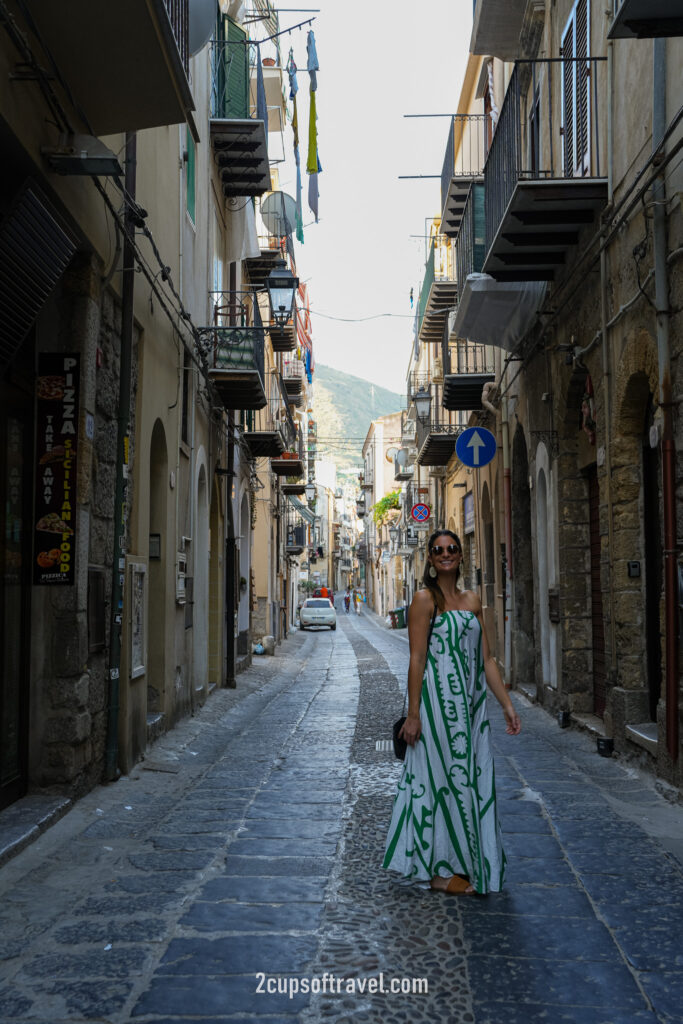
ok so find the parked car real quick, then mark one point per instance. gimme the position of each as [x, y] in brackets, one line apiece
[317, 611]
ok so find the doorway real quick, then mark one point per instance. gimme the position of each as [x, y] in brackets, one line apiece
[597, 621]
[16, 504]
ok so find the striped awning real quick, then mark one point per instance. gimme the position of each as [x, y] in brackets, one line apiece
[303, 509]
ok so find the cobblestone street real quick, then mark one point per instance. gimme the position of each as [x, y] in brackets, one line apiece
[244, 854]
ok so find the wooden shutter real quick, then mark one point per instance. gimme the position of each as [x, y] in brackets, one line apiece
[568, 99]
[479, 233]
[576, 92]
[237, 99]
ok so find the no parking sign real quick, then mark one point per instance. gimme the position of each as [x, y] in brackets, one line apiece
[421, 512]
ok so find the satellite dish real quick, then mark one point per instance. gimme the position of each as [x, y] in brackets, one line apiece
[202, 21]
[279, 214]
[391, 454]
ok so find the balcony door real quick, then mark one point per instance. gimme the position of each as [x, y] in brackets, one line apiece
[576, 128]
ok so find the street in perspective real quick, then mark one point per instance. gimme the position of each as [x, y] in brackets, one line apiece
[341, 542]
[236, 873]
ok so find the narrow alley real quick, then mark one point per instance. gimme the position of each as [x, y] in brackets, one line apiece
[235, 874]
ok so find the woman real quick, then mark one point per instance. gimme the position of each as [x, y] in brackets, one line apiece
[444, 827]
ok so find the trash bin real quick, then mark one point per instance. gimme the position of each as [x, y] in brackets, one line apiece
[400, 614]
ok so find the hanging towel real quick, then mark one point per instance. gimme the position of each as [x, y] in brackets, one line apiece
[313, 195]
[291, 71]
[312, 158]
[312, 65]
[299, 210]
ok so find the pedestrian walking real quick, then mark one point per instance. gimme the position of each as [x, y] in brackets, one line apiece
[357, 601]
[444, 827]
[347, 600]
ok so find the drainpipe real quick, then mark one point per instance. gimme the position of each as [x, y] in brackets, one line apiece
[507, 496]
[665, 402]
[111, 767]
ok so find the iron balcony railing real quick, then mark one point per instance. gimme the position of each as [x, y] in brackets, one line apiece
[178, 15]
[236, 339]
[275, 415]
[469, 357]
[230, 77]
[548, 129]
[465, 150]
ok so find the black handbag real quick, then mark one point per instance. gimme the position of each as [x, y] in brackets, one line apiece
[400, 745]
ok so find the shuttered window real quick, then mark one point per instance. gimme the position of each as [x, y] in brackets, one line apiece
[576, 92]
[237, 73]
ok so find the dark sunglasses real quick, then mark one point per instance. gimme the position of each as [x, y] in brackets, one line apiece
[450, 548]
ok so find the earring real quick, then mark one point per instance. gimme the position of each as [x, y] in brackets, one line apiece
[432, 572]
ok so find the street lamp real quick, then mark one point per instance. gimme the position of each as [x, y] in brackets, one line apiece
[423, 404]
[310, 491]
[393, 533]
[282, 286]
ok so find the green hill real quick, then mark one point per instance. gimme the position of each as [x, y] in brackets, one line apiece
[344, 407]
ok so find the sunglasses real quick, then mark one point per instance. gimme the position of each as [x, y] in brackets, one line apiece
[450, 548]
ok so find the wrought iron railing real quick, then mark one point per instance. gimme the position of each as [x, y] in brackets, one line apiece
[178, 15]
[235, 341]
[465, 150]
[549, 128]
[469, 357]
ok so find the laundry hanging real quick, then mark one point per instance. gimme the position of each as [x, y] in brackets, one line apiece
[293, 89]
[313, 166]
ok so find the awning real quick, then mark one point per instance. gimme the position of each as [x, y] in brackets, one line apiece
[497, 312]
[303, 509]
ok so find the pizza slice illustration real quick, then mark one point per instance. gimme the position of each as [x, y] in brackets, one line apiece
[51, 523]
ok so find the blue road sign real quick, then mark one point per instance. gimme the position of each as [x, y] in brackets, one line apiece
[420, 512]
[476, 446]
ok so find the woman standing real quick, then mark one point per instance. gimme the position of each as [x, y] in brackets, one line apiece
[444, 827]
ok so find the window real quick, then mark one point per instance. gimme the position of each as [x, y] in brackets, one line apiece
[576, 92]
[190, 175]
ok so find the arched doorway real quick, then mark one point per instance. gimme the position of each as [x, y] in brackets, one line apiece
[157, 697]
[200, 617]
[543, 573]
[215, 592]
[245, 574]
[522, 562]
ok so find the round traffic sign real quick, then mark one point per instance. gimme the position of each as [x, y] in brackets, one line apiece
[476, 446]
[420, 512]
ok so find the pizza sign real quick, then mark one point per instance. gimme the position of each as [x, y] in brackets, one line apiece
[57, 392]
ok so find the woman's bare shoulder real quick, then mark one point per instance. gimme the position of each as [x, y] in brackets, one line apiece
[471, 601]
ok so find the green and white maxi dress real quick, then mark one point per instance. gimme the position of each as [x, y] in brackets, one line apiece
[444, 820]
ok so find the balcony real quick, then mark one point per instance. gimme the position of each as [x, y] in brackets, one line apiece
[437, 297]
[296, 537]
[126, 62]
[293, 379]
[544, 175]
[436, 437]
[496, 29]
[273, 79]
[284, 339]
[462, 166]
[234, 348]
[367, 481]
[647, 19]
[288, 464]
[239, 142]
[470, 368]
[259, 267]
[270, 431]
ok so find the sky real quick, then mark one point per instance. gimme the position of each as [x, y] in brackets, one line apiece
[378, 62]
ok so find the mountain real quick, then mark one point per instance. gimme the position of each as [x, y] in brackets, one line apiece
[344, 407]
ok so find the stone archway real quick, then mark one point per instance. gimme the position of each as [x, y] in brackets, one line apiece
[200, 616]
[522, 563]
[636, 504]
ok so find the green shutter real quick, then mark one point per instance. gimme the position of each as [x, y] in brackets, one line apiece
[479, 240]
[190, 177]
[236, 73]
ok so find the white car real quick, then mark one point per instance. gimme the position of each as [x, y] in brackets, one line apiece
[317, 611]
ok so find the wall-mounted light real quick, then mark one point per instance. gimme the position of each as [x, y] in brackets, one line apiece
[82, 154]
[282, 287]
[423, 404]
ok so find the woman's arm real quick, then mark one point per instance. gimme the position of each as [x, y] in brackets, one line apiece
[419, 618]
[492, 673]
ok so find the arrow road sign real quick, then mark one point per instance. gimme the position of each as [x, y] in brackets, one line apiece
[476, 446]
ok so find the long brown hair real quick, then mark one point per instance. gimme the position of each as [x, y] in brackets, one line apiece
[431, 582]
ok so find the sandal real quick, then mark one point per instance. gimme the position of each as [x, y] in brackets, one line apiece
[456, 885]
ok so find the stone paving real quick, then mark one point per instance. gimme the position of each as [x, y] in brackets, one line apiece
[244, 854]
